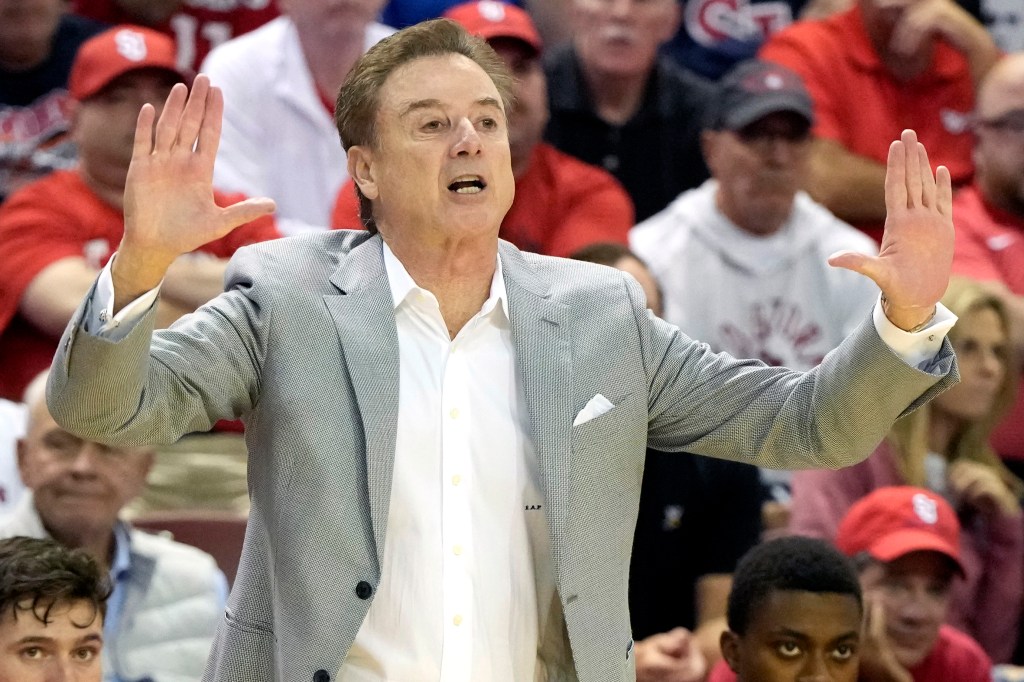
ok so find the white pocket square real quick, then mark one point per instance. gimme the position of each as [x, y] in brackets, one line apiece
[597, 406]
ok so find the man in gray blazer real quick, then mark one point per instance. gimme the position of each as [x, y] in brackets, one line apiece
[447, 435]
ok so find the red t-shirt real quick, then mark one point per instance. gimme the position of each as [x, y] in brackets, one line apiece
[955, 658]
[860, 105]
[59, 217]
[561, 205]
[197, 27]
[990, 246]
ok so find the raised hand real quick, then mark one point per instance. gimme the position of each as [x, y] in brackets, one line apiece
[913, 265]
[168, 204]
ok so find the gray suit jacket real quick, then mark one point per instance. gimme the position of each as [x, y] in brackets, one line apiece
[303, 347]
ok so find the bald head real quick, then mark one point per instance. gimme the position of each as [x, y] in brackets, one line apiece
[999, 148]
[35, 398]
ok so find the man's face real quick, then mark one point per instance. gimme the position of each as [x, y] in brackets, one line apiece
[529, 114]
[914, 593]
[881, 17]
[620, 38]
[440, 169]
[104, 125]
[999, 144]
[79, 487]
[66, 649]
[759, 169]
[798, 636]
[27, 24]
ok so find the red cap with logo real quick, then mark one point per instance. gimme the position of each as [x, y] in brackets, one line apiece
[117, 51]
[895, 521]
[491, 19]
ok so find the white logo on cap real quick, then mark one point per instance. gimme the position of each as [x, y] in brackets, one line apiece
[131, 45]
[773, 81]
[925, 508]
[491, 10]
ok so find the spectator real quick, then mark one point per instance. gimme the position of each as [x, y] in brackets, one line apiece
[52, 602]
[37, 45]
[795, 614]
[167, 597]
[617, 256]
[743, 258]
[615, 103]
[561, 203]
[12, 428]
[905, 543]
[197, 26]
[874, 70]
[402, 13]
[59, 231]
[943, 447]
[280, 82]
[989, 219]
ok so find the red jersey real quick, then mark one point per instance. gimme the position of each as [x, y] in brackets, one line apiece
[955, 658]
[859, 104]
[55, 218]
[197, 27]
[990, 246]
[562, 204]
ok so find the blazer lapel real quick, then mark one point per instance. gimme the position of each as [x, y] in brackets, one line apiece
[544, 357]
[363, 312]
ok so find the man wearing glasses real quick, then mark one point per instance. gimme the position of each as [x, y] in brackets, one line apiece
[989, 217]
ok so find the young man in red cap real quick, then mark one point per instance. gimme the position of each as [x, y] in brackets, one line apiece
[905, 542]
[561, 204]
[59, 231]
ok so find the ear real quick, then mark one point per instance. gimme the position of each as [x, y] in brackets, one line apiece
[729, 643]
[361, 170]
[708, 144]
[23, 470]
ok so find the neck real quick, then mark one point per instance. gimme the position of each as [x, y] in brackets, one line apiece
[24, 55]
[458, 273]
[942, 429]
[762, 224]
[108, 186]
[330, 58]
[616, 98]
[97, 544]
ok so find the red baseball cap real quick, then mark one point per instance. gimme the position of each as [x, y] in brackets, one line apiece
[491, 19]
[117, 51]
[894, 521]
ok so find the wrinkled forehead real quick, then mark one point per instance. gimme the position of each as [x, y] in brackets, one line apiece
[445, 80]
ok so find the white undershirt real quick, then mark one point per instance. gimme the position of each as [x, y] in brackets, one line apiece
[465, 563]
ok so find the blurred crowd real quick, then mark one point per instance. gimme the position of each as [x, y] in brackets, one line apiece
[717, 150]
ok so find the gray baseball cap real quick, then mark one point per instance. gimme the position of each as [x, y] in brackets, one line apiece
[756, 88]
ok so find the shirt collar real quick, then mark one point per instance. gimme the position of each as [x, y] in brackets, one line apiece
[402, 283]
[121, 562]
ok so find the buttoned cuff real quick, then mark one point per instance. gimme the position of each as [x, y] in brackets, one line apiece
[917, 349]
[101, 320]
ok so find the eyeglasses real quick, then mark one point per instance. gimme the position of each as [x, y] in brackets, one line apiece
[1010, 122]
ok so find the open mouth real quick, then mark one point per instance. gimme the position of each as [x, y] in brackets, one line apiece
[467, 184]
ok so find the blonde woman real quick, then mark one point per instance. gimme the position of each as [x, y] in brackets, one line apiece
[943, 447]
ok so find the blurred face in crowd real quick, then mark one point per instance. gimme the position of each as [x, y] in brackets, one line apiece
[882, 20]
[27, 28]
[66, 648]
[529, 114]
[999, 142]
[798, 636]
[759, 169]
[982, 344]
[79, 487]
[334, 18]
[103, 126]
[647, 282]
[914, 593]
[620, 38]
[441, 164]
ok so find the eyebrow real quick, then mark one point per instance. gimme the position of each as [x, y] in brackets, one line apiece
[432, 103]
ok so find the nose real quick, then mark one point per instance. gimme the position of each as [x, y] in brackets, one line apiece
[620, 8]
[466, 139]
[84, 463]
[991, 363]
[815, 669]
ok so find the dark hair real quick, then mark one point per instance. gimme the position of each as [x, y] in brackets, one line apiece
[355, 111]
[604, 253]
[36, 575]
[788, 564]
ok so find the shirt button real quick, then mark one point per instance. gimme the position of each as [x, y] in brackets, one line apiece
[364, 590]
[457, 620]
[454, 414]
[457, 550]
[456, 479]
